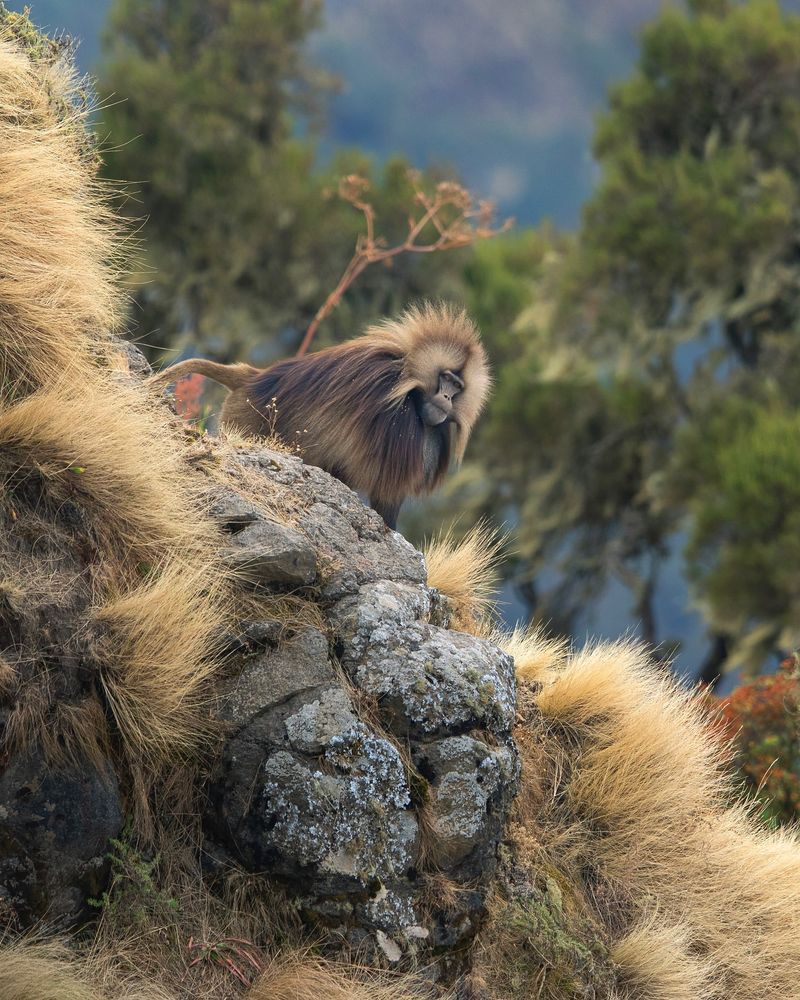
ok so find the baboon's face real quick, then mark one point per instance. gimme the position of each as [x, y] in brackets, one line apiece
[436, 408]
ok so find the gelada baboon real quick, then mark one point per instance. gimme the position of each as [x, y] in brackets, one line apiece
[385, 413]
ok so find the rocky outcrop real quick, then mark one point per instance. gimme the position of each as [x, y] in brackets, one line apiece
[371, 755]
[59, 805]
[55, 827]
[366, 763]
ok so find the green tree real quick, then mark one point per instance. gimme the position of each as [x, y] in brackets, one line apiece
[239, 242]
[679, 294]
[690, 274]
[200, 121]
[738, 471]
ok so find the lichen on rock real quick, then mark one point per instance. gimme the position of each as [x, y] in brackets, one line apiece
[362, 755]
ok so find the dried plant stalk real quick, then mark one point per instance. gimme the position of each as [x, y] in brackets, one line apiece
[457, 220]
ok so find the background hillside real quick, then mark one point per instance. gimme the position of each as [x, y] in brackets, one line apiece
[506, 93]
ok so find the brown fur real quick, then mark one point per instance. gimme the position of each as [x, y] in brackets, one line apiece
[351, 407]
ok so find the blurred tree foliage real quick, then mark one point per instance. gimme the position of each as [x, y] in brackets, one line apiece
[738, 470]
[241, 243]
[647, 383]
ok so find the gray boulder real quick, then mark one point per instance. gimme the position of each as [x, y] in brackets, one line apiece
[367, 759]
[265, 553]
[366, 750]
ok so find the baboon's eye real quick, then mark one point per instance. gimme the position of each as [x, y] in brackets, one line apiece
[450, 384]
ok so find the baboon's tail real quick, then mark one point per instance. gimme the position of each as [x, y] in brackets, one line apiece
[232, 376]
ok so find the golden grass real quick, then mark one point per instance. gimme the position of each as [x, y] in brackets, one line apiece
[535, 655]
[38, 970]
[101, 445]
[301, 977]
[57, 237]
[7, 677]
[236, 439]
[159, 644]
[66, 733]
[42, 971]
[639, 789]
[649, 757]
[656, 961]
[93, 443]
[465, 571]
[159, 587]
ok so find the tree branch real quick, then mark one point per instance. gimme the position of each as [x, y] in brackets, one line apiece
[470, 224]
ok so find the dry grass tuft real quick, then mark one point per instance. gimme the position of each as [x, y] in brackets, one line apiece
[465, 571]
[158, 655]
[57, 237]
[101, 446]
[68, 734]
[656, 961]
[632, 785]
[648, 755]
[157, 590]
[293, 612]
[8, 678]
[534, 653]
[301, 977]
[49, 970]
[233, 438]
[42, 971]
[164, 924]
